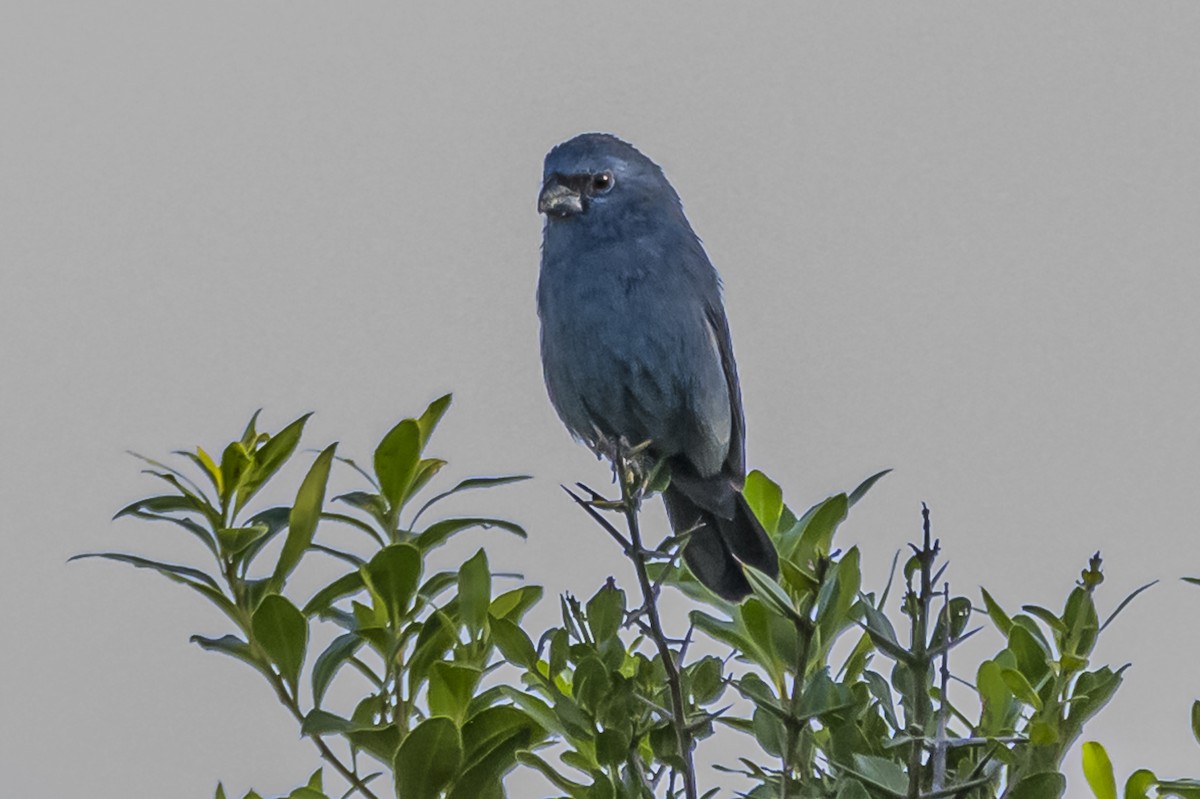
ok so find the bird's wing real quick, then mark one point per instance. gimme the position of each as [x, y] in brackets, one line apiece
[735, 463]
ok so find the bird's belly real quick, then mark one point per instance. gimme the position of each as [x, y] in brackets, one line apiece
[617, 367]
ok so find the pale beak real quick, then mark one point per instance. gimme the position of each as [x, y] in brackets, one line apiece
[558, 199]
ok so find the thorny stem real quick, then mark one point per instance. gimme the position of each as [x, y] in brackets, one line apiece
[940, 742]
[920, 665]
[630, 501]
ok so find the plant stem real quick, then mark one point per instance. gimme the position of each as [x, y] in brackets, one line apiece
[348, 773]
[630, 500]
[920, 665]
[939, 743]
[805, 631]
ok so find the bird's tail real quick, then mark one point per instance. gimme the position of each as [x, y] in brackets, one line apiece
[725, 534]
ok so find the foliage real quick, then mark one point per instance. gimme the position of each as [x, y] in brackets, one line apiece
[608, 705]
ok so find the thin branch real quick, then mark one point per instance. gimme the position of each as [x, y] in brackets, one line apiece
[631, 501]
[939, 744]
[350, 774]
[600, 520]
[920, 651]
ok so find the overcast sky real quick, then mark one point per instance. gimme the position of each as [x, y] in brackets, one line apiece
[957, 240]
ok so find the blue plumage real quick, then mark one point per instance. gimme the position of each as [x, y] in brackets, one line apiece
[635, 343]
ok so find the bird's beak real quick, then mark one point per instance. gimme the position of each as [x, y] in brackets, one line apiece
[558, 199]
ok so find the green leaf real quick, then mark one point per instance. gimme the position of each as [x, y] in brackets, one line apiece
[885, 774]
[320, 722]
[276, 520]
[771, 594]
[1182, 789]
[490, 727]
[346, 585]
[951, 622]
[451, 686]
[1047, 617]
[396, 460]
[1047, 785]
[513, 643]
[765, 499]
[474, 591]
[427, 469]
[590, 683]
[883, 635]
[512, 605]
[573, 789]
[481, 778]
[1098, 770]
[282, 631]
[1092, 691]
[302, 521]
[1196, 720]
[428, 759]
[812, 536]
[179, 574]
[436, 637]
[1031, 653]
[199, 531]
[995, 696]
[328, 662]
[234, 540]
[559, 644]
[606, 612]
[863, 487]
[470, 484]
[822, 696]
[393, 574]
[230, 645]
[704, 679]
[1139, 784]
[268, 460]
[851, 789]
[996, 613]
[1125, 602]
[438, 533]
[381, 742]
[235, 464]
[372, 504]
[186, 488]
[184, 575]
[167, 503]
[878, 687]
[1021, 688]
[729, 633]
[838, 594]
[432, 415]
[250, 434]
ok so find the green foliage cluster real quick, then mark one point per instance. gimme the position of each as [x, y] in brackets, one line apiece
[607, 705]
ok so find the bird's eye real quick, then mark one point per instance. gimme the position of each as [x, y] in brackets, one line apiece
[602, 182]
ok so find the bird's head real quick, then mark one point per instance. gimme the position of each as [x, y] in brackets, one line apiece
[597, 176]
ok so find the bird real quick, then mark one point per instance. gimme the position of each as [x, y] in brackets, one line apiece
[636, 346]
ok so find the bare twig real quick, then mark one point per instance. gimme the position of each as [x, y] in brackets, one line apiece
[919, 649]
[631, 501]
[627, 473]
[600, 520]
[350, 774]
[939, 742]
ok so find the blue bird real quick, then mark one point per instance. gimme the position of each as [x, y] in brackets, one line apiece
[636, 346]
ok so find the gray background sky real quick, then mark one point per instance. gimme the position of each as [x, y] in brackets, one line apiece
[959, 240]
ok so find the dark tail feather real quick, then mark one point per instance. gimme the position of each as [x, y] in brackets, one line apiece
[715, 547]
